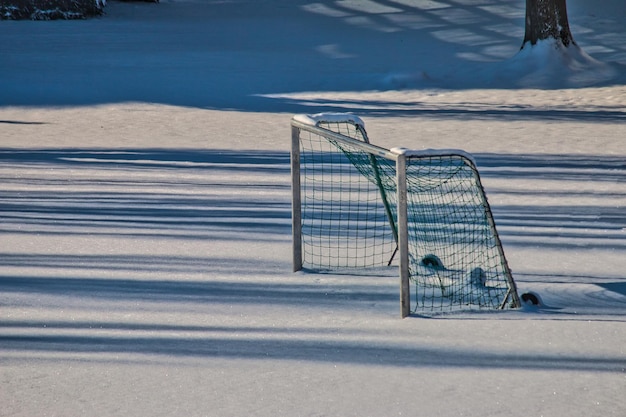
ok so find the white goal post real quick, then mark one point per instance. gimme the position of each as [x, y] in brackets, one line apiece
[357, 205]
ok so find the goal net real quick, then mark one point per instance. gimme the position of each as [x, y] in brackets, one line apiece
[357, 205]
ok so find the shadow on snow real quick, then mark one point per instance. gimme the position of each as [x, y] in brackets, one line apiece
[228, 55]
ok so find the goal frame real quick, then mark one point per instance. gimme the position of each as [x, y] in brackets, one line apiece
[398, 156]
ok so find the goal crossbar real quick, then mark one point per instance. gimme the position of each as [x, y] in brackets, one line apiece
[356, 204]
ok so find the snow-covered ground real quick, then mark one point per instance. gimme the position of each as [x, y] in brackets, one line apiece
[145, 247]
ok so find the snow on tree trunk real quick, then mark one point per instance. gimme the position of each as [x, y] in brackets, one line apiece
[547, 19]
[549, 56]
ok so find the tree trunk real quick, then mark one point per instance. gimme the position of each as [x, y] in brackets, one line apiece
[547, 19]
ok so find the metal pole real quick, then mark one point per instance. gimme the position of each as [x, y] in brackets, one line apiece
[403, 236]
[296, 201]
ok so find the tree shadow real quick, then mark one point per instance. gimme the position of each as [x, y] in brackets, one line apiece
[595, 222]
[229, 55]
[186, 195]
[81, 191]
[191, 198]
[20, 122]
[166, 343]
[456, 111]
[178, 194]
[263, 162]
[616, 287]
[199, 292]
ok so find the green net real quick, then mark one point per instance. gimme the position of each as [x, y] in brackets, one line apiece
[344, 223]
[454, 253]
[349, 220]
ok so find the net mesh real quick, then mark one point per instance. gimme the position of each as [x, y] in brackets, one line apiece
[454, 255]
[344, 224]
[349, 220]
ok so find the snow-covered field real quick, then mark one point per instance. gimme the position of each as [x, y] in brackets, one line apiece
[145, 246]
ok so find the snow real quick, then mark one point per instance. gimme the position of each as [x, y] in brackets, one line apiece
[145, 249]
[432, 152]
[316, 119]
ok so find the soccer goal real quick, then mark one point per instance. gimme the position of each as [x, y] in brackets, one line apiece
[360, 206]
